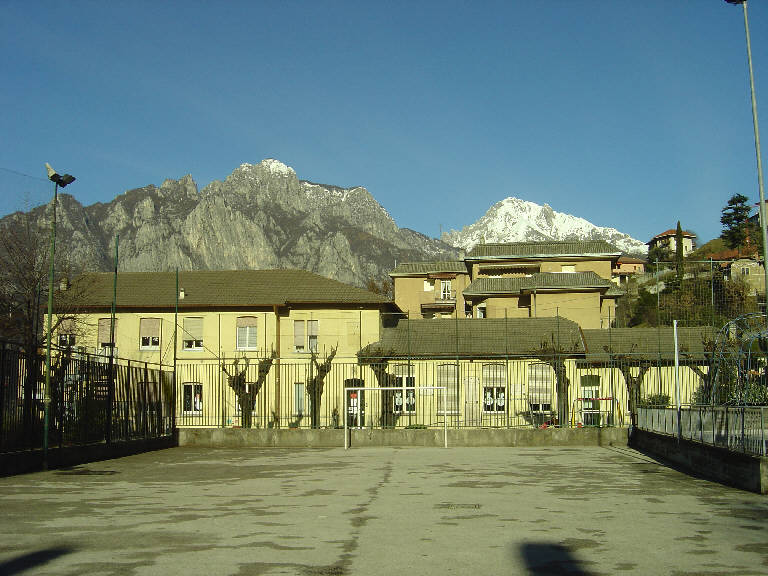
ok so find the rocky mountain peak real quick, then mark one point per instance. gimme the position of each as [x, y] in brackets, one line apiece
[517, 220]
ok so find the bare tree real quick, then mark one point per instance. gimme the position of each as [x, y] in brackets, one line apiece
[316, 384]
[245, 391]
[554, 353]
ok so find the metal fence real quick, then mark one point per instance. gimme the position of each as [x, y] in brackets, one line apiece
[91, 400]
[702, 293]
[506, 392]
[737, 428]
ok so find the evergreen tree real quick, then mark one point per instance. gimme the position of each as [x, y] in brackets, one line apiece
[735, 221]
[679, 253]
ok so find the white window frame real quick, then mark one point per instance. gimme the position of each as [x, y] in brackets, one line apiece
[450, 381]
[445, 289]
[305, 340]
[568, 268]
[107, 323]
[494, 388]
[195, 407]
[191, 344]
[313, 328]
[404, 402]
[543, 386]
[249, 333]
[299, 404]
[66, 340]
[154, 341]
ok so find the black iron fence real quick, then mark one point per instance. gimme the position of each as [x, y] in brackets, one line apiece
[511, 391]
[91, 399]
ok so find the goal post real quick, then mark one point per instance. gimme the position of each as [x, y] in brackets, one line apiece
[355, 393]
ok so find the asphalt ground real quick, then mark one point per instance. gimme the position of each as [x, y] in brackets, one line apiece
[423, 511]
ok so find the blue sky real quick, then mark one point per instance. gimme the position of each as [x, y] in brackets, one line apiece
[631, 114]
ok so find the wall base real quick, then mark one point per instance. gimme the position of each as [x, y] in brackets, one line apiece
[732, 468]
[334, 438]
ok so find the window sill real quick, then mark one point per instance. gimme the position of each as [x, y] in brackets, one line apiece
[192, 349]
[149, 348]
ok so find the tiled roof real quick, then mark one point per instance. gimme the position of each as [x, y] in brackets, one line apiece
[647, 343]
[538, 281]
[223, 288]
[477, 338]
[409, 268]
[673, 232]
[542, 250]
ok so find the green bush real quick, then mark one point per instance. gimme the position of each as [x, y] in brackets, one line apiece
[655, 401]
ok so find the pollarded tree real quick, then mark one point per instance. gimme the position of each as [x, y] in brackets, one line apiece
[245, 391]
[316, 385]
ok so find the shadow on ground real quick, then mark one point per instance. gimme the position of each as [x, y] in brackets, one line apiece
[546, 559]
[32, 560]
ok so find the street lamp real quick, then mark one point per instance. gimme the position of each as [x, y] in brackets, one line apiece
[62, 181]
[757, 149]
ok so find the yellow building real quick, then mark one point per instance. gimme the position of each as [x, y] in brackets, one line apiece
[522, 372]
[431, 289]
[247, 316]
[515, 280]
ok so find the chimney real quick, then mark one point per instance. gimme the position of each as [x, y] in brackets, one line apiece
[64, 284]
[181, 294]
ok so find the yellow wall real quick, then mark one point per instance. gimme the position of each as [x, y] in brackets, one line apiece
[410, 294]
[350, 330]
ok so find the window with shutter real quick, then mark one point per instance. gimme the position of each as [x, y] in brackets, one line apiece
[312, 333]
[446, 376]
[541, 380]
[298, 335]
[104, 334]
[149, 333]
[246, 333]
[193, 334]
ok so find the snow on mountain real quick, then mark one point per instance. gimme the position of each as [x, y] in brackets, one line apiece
[516, 220]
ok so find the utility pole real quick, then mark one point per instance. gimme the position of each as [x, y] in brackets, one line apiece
[756, 128]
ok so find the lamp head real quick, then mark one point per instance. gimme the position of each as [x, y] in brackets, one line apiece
[54, 176]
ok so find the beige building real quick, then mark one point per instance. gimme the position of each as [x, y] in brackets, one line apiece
[431, 289]
[516, 280]
[502, 372]
[750, 271]
[223, 316]
[625, 268]
[668, 241]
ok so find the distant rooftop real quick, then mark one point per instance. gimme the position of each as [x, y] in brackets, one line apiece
[548, 249]
[540, 281]
[411, 268]
[476, 338]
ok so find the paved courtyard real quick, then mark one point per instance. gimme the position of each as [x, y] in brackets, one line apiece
[423, 511]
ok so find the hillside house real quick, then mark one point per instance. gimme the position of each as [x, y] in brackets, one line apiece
[667, 240]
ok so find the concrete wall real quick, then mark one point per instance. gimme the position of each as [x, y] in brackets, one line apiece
[233, 437]
[733, 468]
[32, 460]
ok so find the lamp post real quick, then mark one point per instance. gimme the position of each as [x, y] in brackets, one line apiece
[757, 148]
[63, 181]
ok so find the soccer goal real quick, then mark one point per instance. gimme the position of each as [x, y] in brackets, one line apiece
[403, 399]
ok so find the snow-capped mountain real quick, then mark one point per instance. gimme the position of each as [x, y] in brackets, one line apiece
[516, 220]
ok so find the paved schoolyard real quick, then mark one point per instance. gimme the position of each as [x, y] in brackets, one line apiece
[423, 511]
